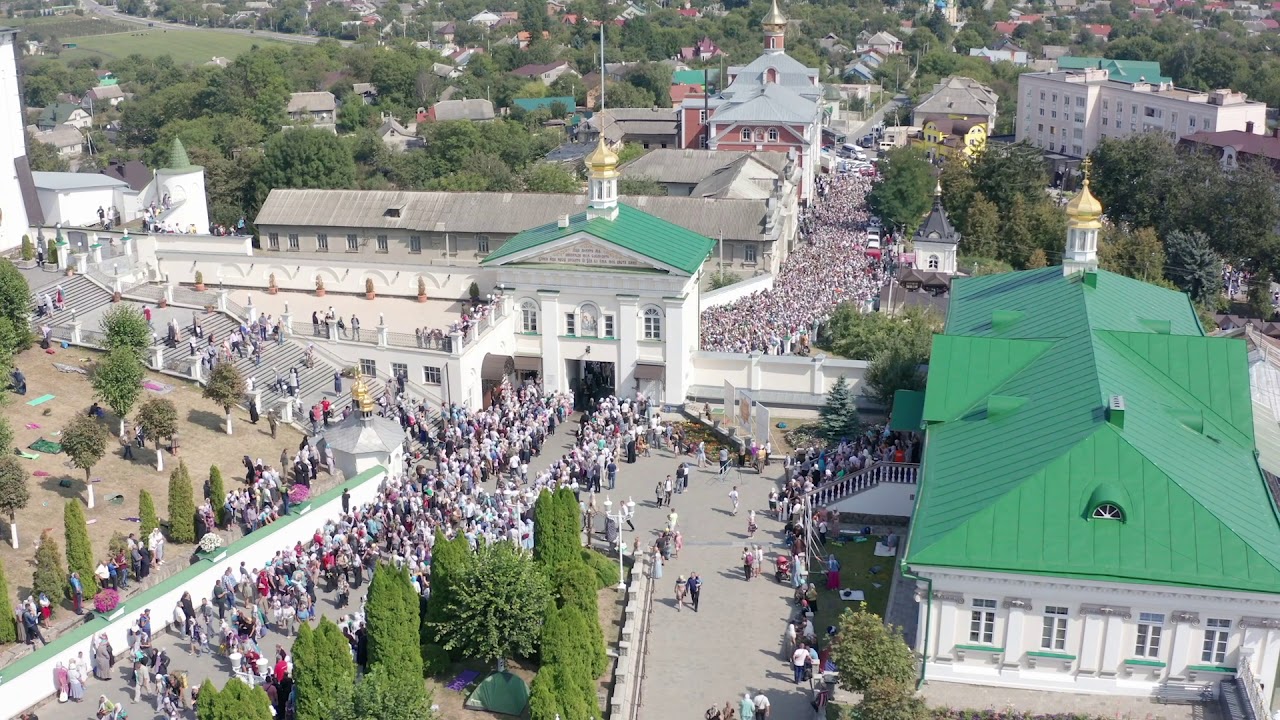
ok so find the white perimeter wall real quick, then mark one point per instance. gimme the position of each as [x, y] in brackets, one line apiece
[736, 291]
[777, 373]
[30, 680]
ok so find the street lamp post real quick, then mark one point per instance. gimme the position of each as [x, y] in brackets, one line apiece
[619, 518]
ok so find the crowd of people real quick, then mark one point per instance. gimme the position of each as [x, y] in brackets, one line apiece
[830, 267]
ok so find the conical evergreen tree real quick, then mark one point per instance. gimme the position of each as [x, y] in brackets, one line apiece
[391, 617]
[324, 675]
[8, 621]
[79, 549]
[182, 506]
[839, 416]
[147, 514]
[50, 577]
[217, 494]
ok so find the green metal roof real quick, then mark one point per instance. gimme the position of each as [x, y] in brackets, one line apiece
[531, 104]
[631, 229]
[1021, 447]
[1125, 71]
[908, 407]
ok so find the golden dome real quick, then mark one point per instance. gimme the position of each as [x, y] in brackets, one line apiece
[360, 394]
[1084, 207]
[774, 18]
[602, 159]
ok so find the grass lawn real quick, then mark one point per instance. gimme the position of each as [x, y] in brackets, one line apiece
[856, 561]
[66, 26]
[185, 46]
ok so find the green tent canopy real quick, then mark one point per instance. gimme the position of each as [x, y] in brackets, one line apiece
[502, 693]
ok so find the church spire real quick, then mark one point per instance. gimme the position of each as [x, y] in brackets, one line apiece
[775, 29]
[1084, 220]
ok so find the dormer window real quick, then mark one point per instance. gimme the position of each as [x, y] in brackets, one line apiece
[746, 134]
[1107, 511]
[771, 75]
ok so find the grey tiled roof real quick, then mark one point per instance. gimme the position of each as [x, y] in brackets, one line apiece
[693, 166]
[769, 103]
[357, 435]
[958, 96]
[496, 213]
[473, 109]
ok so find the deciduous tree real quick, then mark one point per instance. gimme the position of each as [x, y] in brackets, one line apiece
[1133, 253]
[905, 191]
[79, 549]
[497, 606]
[123, 326]
[15, 309]
[14, 493]
[225, 387]
[866, 649]
[897, 368]
[84, 440]
[159, 420]
[304, 158]
[117, 381]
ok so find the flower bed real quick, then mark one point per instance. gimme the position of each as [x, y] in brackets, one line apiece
[210, 542]
[299, 494]
[106, 600]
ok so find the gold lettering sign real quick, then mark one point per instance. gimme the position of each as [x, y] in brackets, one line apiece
[587, 254]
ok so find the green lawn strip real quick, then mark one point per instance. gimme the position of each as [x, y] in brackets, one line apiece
[856, 561]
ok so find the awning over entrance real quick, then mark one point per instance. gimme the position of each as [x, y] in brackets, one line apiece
[908, 410]
[496, 367]
[527, 362]
[650, 371]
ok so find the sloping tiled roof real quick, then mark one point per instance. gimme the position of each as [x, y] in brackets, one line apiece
[689, 166]
[632, 229]
[958, 96]
[768, 103]
[311, 102]
[473, 109]
[937, 227]
[1021, 446]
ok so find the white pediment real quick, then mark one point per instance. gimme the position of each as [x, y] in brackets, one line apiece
[587, 252]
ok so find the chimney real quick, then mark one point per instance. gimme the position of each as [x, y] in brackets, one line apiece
[563, 222]
[1248, 127]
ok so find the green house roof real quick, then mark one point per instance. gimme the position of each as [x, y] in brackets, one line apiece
[1125, 71]
[531, 104]
[1022, 446]
[631, 229]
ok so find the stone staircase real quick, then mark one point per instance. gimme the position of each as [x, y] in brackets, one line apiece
[850, 485]
[80, 295]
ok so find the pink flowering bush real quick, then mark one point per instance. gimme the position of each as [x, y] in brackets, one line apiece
[299, 494]
[106, 600]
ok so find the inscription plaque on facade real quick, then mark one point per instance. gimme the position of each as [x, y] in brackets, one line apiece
[587, 254]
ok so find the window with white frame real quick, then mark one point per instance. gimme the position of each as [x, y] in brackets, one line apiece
[322, 242]
[608, 327]
[746, 134]
[368, 367]
[1054, 634]
[1150, 628]
[431, 375]
[982, 622]
[570, 323]
[773, 135]
[934, 262]
[400, 370]
[748, 253]
[353, 243]
[294, 243]
[652, 323]
[1216, 633]
[415, 243]
[273, 241]
[383, 245]
[529, 316]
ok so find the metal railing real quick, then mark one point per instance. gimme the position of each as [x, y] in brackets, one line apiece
[1251, 689]
[865, 479]
[397, 339]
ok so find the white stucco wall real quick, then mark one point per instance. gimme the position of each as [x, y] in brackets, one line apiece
[897, 499]
[76, 208]
[13, 214]
[736, 291]
[30, 680]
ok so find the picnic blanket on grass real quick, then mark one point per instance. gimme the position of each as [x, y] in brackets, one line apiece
[464, 678]
[45, 446]
[63, 367]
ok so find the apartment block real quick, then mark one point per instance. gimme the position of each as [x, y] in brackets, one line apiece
[1069, 112]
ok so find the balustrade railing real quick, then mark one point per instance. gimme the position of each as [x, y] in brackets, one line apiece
[1252, 690]
[861, 480]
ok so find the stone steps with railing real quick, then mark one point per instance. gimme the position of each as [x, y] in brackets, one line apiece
[80, 295]
[850, 485]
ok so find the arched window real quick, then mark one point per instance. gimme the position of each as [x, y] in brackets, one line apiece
[933, 262]
[1107, 511]
[588, 321]
[773, 134]
[529, 316]
[652, 323]
[771, 75]
[746, 134]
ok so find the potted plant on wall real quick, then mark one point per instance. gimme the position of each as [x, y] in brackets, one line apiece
[368, 289]
[319, 286]
[422, 289]
[199, 281]
[272, 288]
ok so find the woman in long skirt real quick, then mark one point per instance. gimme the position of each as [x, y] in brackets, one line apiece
[657, 563]
[833, 572]
[76, 680]
[62, 680]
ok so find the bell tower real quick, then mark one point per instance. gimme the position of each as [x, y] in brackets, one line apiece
[602, 181]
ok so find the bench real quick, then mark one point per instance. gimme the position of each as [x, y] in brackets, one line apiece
[1183, 693]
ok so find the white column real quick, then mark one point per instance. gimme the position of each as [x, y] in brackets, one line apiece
[76, 327]
[1265, 661]
[126, 243]
[157, 357]
[946, 642]
[681, 342]
[817, 375]
[382, 331]
[627, 325]
[1090, 654]
[286, 409]
[250, 310]
[197, 371]
[753, 372]
[96, 253]
[1180, 654]
[168, 294]
[286, 319]
[1014, 631]
[553, 371]
[1113, 647]
[64, 254]
[222, 300]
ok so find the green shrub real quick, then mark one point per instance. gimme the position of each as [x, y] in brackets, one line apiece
[117, 544]
[435, 660]
[147, 513]
[28, 249]
[8, 621]
[217, 494]
[605, 569]
[53, 254]
[577, 586]
[79, 549]
[474, 291]
[49, 578]
[182, 506]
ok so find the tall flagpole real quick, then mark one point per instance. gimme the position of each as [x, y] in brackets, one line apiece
[602, 74]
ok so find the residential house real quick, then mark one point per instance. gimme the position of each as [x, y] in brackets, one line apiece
[485, 18]
[679, 93]
[1233, 146]
[882, 42]
[864, 66]
[1098, 30]
[475, 110]
[944, 137]
[63, 114]
[318, 109]
[444, 30]
[832, 43]
[958, 98]
[106, 77]
[689, 12]
[368, 92]
[592, 81]
[102, 97]
[544, 103]
[547, 73]
[1017, 57]
[704, 49]
[648, 127]
[397, 137]
[133, 173]
[67, 139]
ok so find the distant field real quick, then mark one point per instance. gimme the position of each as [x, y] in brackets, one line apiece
[185, 46]
[66, 26]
